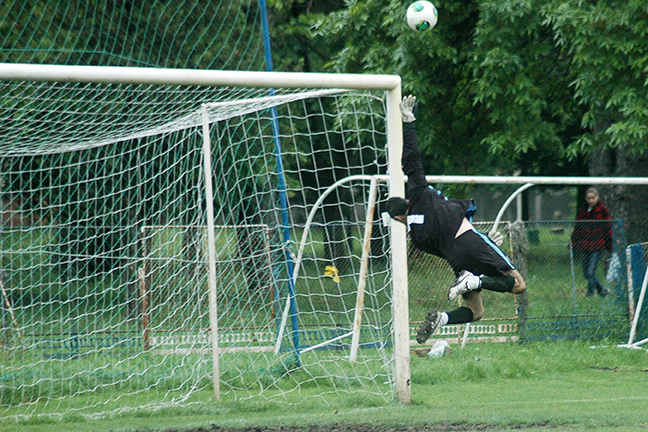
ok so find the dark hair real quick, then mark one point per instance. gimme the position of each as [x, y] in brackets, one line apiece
[397, 206]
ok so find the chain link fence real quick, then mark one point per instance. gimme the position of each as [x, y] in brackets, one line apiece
[556, 304]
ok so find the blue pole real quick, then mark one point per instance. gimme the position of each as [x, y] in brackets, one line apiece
[282, 187]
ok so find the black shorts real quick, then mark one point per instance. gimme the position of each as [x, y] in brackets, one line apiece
[475, 252]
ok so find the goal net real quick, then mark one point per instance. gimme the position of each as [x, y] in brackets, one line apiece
[636, 258]
[156, 251]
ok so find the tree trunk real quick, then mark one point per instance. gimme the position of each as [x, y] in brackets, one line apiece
[628, 203]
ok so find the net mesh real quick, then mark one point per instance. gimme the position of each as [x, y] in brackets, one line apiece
[59, 117]
[104, 238]
[105, 263]
[189, 34]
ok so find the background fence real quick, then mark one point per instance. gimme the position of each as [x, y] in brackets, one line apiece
[556, 304]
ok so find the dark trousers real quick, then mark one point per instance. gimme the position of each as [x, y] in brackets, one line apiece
[589, 262]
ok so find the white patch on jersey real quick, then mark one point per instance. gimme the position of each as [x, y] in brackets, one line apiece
[416, 219]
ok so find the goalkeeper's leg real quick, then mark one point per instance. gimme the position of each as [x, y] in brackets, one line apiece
[473, 311]
[520, 283]
[481, 264]
[512, 282]
[474, 302]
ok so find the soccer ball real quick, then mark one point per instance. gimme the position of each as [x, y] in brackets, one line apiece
[421, 16]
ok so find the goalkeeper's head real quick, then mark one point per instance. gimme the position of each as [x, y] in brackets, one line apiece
[397, 208]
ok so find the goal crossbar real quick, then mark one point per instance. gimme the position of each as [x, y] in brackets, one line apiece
[537, 180]
[194, 77]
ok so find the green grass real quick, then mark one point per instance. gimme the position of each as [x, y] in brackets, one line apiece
[542, 371]
[561, 385]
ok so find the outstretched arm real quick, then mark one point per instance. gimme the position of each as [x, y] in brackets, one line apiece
[411, 158]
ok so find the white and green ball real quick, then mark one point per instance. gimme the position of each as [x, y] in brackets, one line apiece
[422, 16]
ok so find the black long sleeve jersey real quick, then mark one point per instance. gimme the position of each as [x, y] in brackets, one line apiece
[433, 220]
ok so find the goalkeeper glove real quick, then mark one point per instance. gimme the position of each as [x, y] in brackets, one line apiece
[497, 237]
[407, 107]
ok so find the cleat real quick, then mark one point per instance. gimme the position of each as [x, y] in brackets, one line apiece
[429, 326]
[465, 283]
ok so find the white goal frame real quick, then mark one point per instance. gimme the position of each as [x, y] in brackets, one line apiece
[391, 84]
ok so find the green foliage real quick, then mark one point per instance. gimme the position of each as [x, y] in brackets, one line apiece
[521, 78]
[607, 44]
[503, 85]
[564, 77]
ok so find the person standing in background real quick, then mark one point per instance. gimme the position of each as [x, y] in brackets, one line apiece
[591, 236]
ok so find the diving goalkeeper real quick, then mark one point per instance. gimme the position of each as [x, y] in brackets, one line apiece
[442, 227]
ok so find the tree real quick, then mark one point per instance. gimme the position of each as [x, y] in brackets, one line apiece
[293, 47]
[546, 87]
[372, 37]
[570, 78]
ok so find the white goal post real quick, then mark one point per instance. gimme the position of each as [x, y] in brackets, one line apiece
[391, 85]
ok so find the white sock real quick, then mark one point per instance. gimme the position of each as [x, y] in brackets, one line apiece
[444, 319]
[474, 282]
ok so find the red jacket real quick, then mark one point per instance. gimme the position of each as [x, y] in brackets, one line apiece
[590, 236]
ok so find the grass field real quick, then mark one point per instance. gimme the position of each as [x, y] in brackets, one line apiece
[536, 386]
